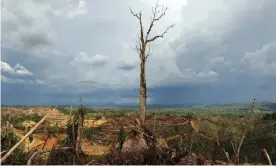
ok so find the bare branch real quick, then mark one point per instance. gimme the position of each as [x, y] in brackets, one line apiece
[155, 18]
[163, 12]
[48, 136]
[150, 51]
[160, 36]
[135, 15]
[139, 17]
[136, 49]
[138, 46]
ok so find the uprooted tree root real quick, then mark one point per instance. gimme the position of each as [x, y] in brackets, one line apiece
[142, 147]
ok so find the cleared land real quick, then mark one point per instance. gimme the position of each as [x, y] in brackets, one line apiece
[172, 128]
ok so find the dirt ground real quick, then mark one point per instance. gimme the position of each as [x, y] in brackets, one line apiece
[103, 138]
[39, 139]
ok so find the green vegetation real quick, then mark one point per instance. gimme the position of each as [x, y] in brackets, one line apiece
[91, 133]
[122, 137]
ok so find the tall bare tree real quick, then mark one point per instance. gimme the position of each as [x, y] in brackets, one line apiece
[144, 50]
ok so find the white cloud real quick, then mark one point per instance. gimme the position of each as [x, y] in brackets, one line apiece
[210, 73]
[71, 8]
[84, 59]
[80, 9]
[6, 67]
[21, 70]
[5, 79]
[17, 70]
[262, 62]
[206, 44]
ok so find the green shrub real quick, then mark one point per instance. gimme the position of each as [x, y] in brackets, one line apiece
[98, 117]
[122, 137]
[189, 116]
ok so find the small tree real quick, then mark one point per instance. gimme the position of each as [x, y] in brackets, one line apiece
[142, 44]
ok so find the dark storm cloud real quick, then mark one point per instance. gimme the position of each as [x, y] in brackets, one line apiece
[222, 53]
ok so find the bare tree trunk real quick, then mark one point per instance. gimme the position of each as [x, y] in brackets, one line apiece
[73, 126]
[73, 133]
[78, 143]
[143, 41]
[143, 90]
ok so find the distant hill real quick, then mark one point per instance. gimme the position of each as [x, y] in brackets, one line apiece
[158, 106]
[246, 106]
[240, 106]
[263, 106]
[270, 105]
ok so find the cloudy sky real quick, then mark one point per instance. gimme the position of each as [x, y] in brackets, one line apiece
[220, 51]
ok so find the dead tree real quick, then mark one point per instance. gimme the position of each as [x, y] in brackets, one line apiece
[73, 125]
[78, 143]
[80, 126]
[144, 51]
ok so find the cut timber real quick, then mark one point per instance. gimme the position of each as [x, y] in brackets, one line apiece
[23, 139]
